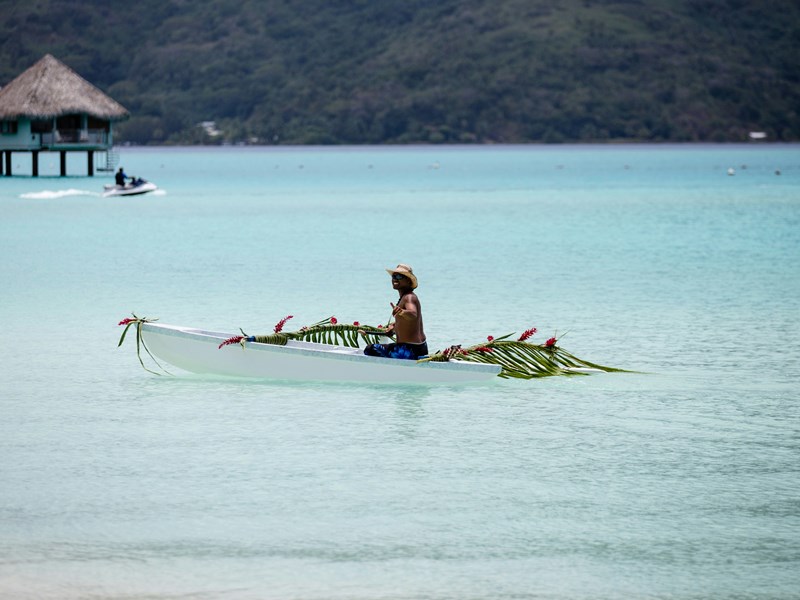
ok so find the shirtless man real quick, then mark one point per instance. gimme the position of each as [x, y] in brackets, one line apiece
[407, 313]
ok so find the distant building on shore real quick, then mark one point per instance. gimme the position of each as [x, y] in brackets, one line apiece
[50, 108]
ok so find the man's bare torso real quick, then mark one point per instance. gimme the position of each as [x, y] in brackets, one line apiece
[408, 324]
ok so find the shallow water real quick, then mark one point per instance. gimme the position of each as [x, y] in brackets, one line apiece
[679, 481]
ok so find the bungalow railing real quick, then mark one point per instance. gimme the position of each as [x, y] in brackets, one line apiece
[74, 136]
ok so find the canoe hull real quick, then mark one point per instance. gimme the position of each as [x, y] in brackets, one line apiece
[197, 351]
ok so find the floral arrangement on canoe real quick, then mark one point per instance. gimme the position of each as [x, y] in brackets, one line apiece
[518, 358]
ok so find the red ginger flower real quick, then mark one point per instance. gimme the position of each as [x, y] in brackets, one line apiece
[452, 350]
[126, 321]
[490, 338]
[334, 321]
[527, 333]
[281, 323]
[483, 349]
[356, 323]
[231, 340]
[551, 342]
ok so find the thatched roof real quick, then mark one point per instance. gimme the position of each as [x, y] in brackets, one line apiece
[51, 89]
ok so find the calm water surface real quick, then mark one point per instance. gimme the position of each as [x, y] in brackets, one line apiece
[680, 481]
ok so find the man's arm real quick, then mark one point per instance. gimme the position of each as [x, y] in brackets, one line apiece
[405, 310]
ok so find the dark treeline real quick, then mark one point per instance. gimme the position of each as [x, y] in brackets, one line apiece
[402, 71]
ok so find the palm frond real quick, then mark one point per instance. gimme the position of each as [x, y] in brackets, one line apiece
[326, 332]
[523, 360]
[517, 358]
[140, 345]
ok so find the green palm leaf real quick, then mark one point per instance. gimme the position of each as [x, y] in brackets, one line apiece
[522, 359]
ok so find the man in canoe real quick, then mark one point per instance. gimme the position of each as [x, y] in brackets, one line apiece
[407, 327]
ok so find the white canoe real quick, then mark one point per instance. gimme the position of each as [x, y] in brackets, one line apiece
[198, 351]
[129, 190]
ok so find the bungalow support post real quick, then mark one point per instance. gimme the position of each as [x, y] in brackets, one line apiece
[63, 163]
[8, 163]
[35, 163]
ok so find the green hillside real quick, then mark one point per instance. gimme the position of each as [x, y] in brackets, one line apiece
[401, 71]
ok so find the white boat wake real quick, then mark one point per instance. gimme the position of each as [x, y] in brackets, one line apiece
[53, 194]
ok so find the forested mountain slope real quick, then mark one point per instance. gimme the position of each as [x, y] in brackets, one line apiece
[399, 71]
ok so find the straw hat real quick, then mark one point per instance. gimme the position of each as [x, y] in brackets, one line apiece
[407, 271]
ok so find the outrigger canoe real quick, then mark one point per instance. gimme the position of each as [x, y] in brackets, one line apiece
[329, 351]
[198, 351]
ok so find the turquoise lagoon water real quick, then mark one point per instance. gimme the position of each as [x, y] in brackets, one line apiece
[680, 481]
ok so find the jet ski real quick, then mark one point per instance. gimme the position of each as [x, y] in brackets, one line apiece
[136, 187]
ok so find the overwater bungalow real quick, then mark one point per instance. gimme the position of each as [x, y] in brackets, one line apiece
[51, 108]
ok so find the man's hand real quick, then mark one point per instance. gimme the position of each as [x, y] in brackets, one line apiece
[403, 313]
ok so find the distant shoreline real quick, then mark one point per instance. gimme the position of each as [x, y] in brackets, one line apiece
[593, 145]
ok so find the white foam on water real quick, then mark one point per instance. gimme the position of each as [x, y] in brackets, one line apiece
[51, 194]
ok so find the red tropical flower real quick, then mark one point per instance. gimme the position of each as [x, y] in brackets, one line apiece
[126, 321]
[356, 323]
[483, 349]
[281, 323]
[527, 333]
[231, 340]
[551, 342]
[490, 338]
[452, 350]
[334, 321]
